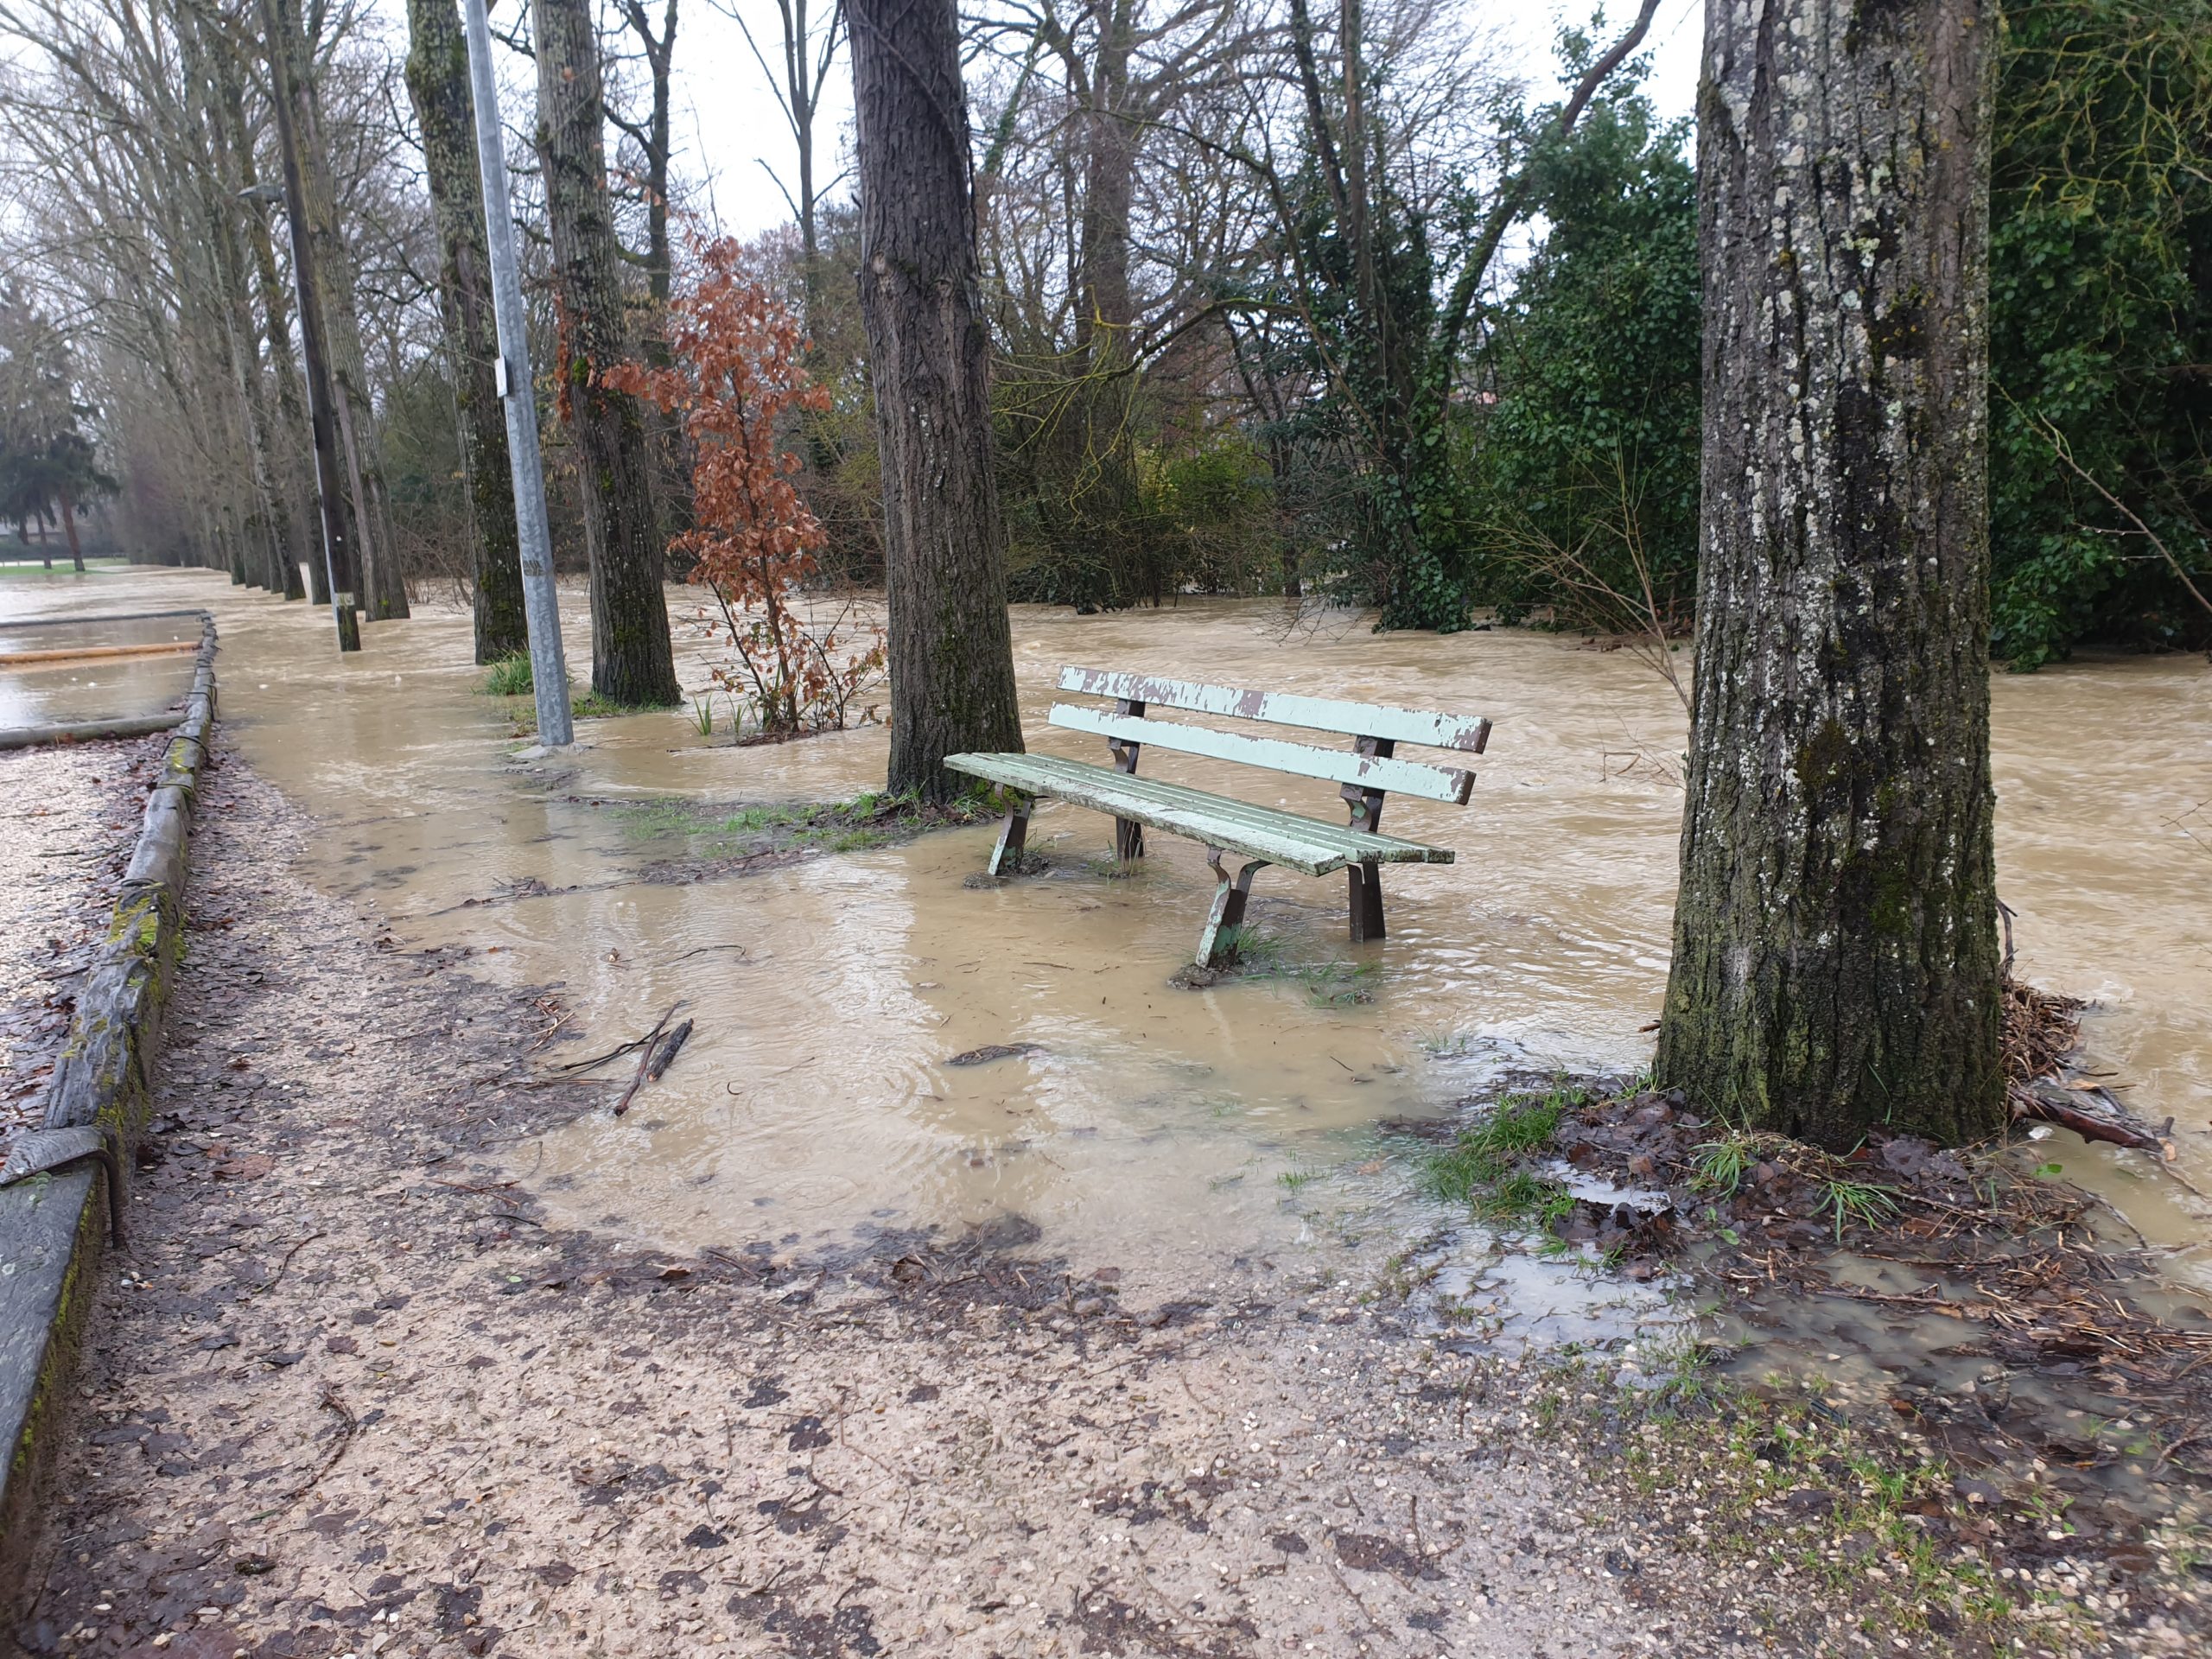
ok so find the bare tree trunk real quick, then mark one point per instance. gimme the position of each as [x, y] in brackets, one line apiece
[653, 139]
[288, 97]
[632, 660]
[284, 366]
[384, 589]
[216, 183]
[437, 82]
[69, 528]
[951, 651]
[664, 434]
[807, 55]
[230, 147]
[1835, 959]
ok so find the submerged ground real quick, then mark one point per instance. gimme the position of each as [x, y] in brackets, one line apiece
[830, 1346]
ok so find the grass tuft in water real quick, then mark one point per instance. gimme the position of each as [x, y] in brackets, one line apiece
[1847, 1202]
[1255, 954]
[867, 820]
[1486, 1169]
[1720, 1165]
[509, 677]
[1487, 1154]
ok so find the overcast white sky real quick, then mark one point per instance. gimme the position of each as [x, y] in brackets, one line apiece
[727, 123]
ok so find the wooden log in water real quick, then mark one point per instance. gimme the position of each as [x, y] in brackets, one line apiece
[94, 653]
[88, 731]
[2091, 1113]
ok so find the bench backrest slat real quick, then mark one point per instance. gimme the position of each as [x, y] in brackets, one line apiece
[1468, 733]
[1338, 766]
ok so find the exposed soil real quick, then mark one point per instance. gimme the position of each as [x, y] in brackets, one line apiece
[2043, 1392]
[347, 1394]
[69, 814]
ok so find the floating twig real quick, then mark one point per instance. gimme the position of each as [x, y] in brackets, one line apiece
[645, 1059]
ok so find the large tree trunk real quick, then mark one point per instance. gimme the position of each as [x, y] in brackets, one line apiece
[632, 660]
[1835, 961]
[437, 82]
[950, 649]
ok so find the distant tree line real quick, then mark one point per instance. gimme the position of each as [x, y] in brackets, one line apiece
[1280, 298]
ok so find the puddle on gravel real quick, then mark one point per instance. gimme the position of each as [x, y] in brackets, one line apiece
[1154, 1127]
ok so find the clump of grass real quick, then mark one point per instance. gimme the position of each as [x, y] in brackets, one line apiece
[1256, 955]
[1720, 1165]
[869, 820]
[1338, 984]
[509, 677]
[1847, 1202]
[1486, 1169]
[1525, 1198]
[1486, 1154]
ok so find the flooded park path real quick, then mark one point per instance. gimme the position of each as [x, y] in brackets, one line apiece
[834, 1346]
[1137, 1122]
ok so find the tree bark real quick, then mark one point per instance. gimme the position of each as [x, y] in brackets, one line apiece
[632, 662]
[654, 138]
[437, 84]
[383, 593]
[290, 101]
[951, 652]
[293, 484]
[237, 227]
[1835, 959]
[69, 528]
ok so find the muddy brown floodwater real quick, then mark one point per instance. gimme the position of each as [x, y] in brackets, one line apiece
[1166, 1128]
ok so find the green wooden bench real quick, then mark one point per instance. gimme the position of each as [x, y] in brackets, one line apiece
[1261, 835]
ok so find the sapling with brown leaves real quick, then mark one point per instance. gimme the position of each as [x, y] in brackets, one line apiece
[737, 380]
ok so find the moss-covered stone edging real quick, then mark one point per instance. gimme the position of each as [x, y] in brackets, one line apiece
[53, 1226]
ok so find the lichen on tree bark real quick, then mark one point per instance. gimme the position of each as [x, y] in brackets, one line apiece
[1835, 962]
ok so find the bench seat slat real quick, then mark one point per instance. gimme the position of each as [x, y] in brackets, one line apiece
[1465, 732]
[1355, 845]
[1284, 838]
[1273, 754]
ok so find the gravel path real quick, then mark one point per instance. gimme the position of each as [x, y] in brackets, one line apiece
[69, 814]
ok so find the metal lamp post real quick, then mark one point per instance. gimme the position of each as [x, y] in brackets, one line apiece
[548, 667]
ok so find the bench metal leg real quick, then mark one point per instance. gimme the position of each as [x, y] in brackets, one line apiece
[1128, 834]
[1014, 835]
[1366, 881]
[1228, 896]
